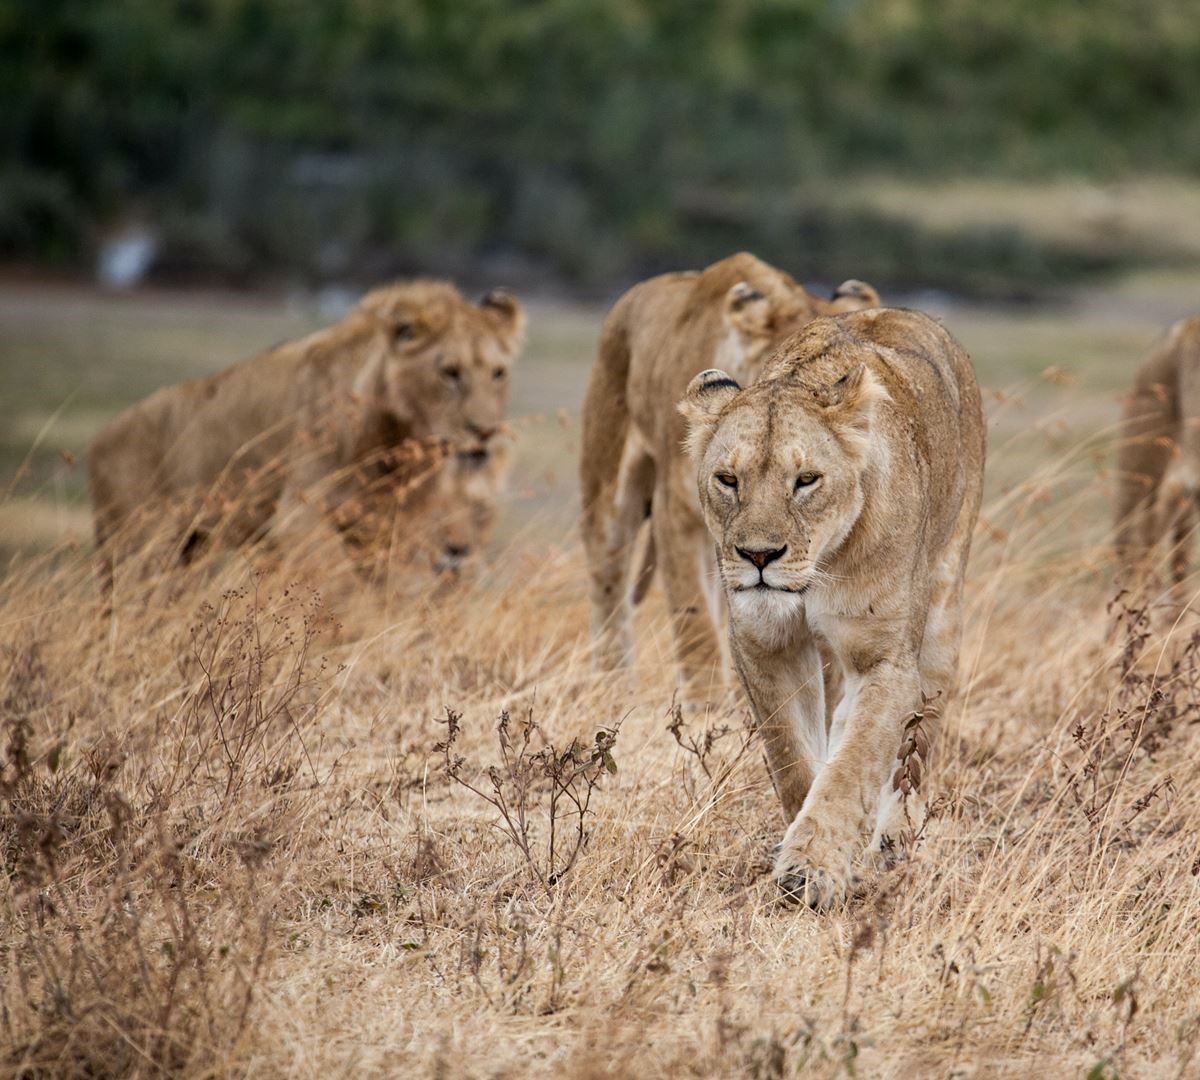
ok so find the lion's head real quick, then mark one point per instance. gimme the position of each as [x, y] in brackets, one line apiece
[780, 467]
[441, 365]
[469, 491]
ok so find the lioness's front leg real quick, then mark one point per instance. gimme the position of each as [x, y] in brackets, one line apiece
[789, 711]
[815, 860]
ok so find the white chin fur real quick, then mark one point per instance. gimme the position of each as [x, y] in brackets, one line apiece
[769, 615]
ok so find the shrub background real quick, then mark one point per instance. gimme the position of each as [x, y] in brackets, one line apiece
[584, 140]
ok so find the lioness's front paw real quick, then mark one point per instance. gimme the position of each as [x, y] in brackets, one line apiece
[813, 868]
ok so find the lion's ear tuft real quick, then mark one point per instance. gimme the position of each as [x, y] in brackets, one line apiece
[707, 394]
[748, 311]
[850, 401]
[505, 307]
[854, 295]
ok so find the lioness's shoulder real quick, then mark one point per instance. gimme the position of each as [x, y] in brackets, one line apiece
[832, 342]
[903, 329]
[712, 284]
[1183, 339]
[1186, 331]
[1158, 372]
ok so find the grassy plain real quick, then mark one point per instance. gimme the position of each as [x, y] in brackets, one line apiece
[231, 844]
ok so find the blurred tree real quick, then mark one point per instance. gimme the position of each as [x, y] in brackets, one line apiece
[591, 137]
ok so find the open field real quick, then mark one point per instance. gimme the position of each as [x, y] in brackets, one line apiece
[1158, 215]
[232, 844]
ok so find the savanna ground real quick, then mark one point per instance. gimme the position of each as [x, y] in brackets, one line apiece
[235, 839]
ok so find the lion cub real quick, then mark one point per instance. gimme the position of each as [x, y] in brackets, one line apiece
[632, 467]
[1158, 462]
[841, 489]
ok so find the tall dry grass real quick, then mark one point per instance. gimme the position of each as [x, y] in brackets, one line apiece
[252, 827]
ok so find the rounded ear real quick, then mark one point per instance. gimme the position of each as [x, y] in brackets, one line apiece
[402, 323]
[707, 394]
[850, 401]
[748, 311]
[502, 304]
[854, 295]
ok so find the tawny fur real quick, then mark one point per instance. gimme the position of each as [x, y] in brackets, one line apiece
[851, 471]
[657, 336]
[241, 454]
[1158, 460]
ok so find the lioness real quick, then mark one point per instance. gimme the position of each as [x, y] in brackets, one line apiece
[243, 451]
[841, 490]
[1158, 460]
[657, 336]
[442, 516]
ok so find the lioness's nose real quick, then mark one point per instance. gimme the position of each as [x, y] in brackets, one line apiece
[761, 556]
[452, 558]
[481, 431]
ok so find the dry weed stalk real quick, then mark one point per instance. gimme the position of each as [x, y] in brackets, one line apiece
[259, 686]
[122, 956]
[554, 784]
[700, 747]
[211, 864]
[1140, 720]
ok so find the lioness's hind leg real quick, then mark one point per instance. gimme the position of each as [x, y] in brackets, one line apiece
[1175, 514]
[610, 529]
[901, 801]
[689, 576]
[1184, 522]
[943, 620]
[939, 647]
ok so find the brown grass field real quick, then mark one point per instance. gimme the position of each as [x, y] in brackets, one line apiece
[235, 841]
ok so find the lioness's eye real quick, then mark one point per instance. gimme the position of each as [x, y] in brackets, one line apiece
[499, 374]
[807, 479]
[726, 480]
[403, 332]
[452, 374]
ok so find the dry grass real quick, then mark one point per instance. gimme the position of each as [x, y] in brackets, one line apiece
[231, 843]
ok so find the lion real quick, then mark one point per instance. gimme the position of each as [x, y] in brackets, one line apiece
[470, 498]
[1158, 458]
[841, 490]
[442, 517]
[276, 444]
[657, 336]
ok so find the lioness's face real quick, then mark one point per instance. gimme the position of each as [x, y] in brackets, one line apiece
[779, 473]
[446, 363]
[468, 497]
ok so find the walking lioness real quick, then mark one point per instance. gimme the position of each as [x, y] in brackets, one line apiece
[657, 336]
[1158, 462]
[841, 490]
[280, 442]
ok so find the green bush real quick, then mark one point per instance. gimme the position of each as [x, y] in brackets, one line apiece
[341, 137]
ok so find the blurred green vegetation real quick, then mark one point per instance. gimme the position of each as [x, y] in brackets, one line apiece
[589, 140]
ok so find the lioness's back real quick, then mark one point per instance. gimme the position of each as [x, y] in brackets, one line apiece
[926, 372]
[934, 399]
[944, 408]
